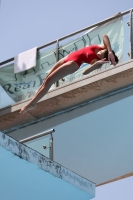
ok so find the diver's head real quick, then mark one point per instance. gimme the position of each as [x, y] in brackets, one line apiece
[106, 56]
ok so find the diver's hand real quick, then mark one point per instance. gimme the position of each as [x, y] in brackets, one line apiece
[111, 58]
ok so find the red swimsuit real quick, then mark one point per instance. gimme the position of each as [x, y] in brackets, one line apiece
[86, 55]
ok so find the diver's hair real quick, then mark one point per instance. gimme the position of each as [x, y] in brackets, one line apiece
[106, 56]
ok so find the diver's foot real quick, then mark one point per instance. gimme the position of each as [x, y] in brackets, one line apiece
[26, 108]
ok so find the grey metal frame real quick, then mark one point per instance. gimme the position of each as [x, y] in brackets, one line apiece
[49, 132]
[57, 57]
[131, 34]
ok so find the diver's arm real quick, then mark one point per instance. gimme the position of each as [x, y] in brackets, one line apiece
[107, 46]
[96, 65]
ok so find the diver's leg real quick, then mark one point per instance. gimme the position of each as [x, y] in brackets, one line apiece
[64, 70]
[57, 65]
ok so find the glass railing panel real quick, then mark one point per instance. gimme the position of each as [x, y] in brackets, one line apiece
[23, 86]
[41, 145]
[126, 38]
[5, 100]
[119, 34]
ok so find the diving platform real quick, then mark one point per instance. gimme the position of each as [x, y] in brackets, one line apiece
[92, 118]
[69, 96]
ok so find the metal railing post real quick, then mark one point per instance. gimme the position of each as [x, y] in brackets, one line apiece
[57, 57]
[131, 34]
[51, 148]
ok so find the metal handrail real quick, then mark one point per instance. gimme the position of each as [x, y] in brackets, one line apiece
[72, 34]
[131, 34]
[37, 136]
